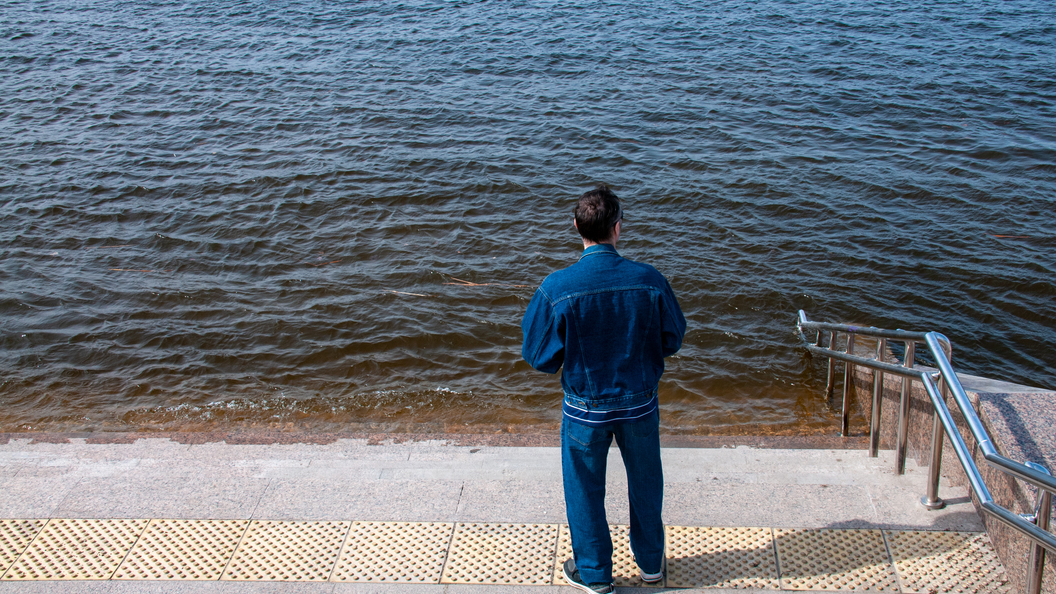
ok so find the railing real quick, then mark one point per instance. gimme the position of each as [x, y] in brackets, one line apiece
[937, 385]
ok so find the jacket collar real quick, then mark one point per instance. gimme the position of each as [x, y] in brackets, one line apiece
[599, 248]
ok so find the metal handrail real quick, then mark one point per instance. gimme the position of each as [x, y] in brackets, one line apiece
[940, 350]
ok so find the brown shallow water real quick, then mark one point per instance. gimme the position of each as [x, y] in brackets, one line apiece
[315, 216]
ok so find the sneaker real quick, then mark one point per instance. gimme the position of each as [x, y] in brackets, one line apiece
[572, 575]
[652, 578]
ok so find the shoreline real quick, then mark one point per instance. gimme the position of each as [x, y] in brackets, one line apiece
[806, 442]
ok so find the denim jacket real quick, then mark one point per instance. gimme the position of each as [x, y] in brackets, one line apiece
[610, 322]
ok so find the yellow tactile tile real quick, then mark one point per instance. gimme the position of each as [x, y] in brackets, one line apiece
[721, 558]
[77, 550]
[15, 536]
[430, 553]
[624, 569]
[948, 562]
[501, 554]
[287, 551]
[394, 552]
[827, 559]
[182, 550]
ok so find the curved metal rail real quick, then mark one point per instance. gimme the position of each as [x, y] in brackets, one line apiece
[1034, 527]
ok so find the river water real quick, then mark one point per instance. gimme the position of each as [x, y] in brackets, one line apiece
[316, 215]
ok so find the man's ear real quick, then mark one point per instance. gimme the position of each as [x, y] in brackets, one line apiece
[574, 223]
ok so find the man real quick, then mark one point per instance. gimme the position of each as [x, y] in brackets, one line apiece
[610, 322]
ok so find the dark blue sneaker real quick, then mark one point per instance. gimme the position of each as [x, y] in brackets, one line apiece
[572, 575]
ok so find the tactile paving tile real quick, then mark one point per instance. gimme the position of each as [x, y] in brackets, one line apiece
[182, 550]
[834, 560]
[624, 569]
[15, 536]
[394, 552]
[953, 562]
[287, 551]
[721, 558]
[501, 554]
[77, 550]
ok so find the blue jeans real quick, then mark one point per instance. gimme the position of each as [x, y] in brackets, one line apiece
[584, 452]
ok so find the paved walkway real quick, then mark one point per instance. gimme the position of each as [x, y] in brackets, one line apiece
[161, 516]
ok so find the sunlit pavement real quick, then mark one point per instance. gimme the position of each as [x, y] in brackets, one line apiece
[159, 516]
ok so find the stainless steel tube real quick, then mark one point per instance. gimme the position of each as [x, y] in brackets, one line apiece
[1020, 471]
[1042, 518]
[878, 393]
[986, 500]
[931, 499]
[848, 380]
[830, 383]
[957, 441]
[868, 362]
[903, 412]
[959, 397]
[982, 438]
[1042, 537]
[870, 330]
[939, 347]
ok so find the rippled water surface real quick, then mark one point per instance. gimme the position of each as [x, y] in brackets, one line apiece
[322, 215]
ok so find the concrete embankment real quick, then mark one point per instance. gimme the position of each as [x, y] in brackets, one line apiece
[780, 509]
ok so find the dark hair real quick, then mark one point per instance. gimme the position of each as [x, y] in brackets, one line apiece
[597, 213]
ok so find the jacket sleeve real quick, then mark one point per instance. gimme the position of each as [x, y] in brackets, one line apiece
[673, 323]
[544, 346]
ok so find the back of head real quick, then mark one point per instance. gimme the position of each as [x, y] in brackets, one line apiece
[597, 212]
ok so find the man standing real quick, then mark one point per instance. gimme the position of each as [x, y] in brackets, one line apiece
[610, 322]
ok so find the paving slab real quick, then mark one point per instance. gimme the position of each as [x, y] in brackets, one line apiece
[537, 502]
[163, 495]
[381, 500]
[35, 493]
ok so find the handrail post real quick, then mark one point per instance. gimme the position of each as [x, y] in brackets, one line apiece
[878, 391]
[903, 412]
[848, 373]
[1042, 518]
[932, 500]
[830, 383]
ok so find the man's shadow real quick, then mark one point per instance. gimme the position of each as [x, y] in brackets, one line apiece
[861, 558]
